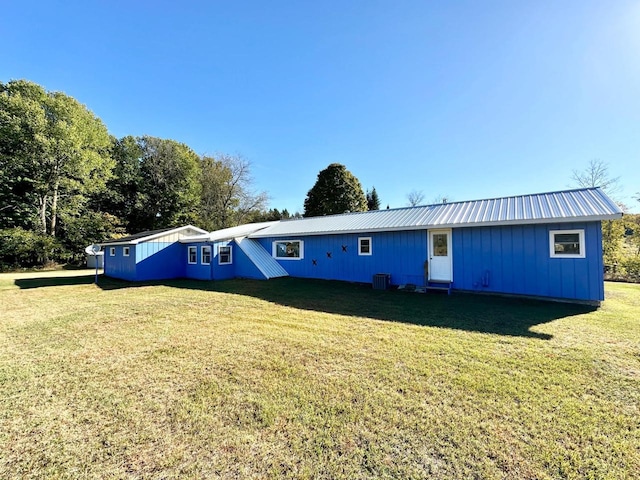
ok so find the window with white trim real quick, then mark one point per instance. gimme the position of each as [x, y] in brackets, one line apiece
[364, 246]
[125, 251]
[566, 244]
[192, 256]
[225, 255]
[288, 249]
[205, 255]
[112, 251]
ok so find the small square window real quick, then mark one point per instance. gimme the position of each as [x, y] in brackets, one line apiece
[112, 251]
[566, 244]
[364, 246]
[288, 249]
[193, 255]
[224, 255]
[125, 251]
[205, 255]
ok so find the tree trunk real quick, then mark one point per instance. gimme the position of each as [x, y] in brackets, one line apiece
[54, 208]
[43, 213]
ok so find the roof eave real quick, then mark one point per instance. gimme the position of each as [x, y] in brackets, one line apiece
[152, 237]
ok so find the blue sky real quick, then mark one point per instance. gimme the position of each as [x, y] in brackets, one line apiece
[463, 99]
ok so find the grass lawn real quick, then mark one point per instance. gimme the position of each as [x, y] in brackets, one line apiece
[312, 379]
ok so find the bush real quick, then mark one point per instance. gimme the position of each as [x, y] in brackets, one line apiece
[20, 248]
[632, 268]
[77, 232]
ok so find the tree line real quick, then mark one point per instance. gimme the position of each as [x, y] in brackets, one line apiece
[66, 183]
[621, 237]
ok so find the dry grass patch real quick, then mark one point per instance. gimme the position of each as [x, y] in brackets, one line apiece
[306, 379]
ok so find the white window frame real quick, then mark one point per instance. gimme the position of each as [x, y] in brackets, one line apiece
[220, 262]
[126, 251]
[193, 249]
[203, 249]
[360, 252]
[112, 251]
[274, 250]
[552, 244]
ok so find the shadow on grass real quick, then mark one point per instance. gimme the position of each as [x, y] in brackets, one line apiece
[475, 313]
[25, 283]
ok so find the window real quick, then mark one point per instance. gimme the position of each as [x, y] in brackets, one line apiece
[288, 249]
[112, 251]
[125, 251]
[224, 255]
[364, 246]
[205, 255]
[193, 255]
[566, 244]
[440, 245]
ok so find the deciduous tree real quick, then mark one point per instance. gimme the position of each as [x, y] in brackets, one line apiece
[123, 196]
[53, 153]
[336, 190]
[228, 197]
[415, 198]
[169, 192]
[596, 174]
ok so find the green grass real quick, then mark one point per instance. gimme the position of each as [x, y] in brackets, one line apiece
[311, 379]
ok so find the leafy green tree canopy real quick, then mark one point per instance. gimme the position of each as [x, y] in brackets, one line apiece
[123, 194]
[53, 153]
[169, 188]
[336, 190]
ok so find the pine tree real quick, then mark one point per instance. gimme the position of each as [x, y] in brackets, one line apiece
[373, 201]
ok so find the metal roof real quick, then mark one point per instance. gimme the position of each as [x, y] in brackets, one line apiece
[228, 233]
[267, 265]
[585, 204]
[149, 235]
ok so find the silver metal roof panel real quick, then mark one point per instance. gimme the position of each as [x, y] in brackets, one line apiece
[150, 235]
[585, 204]
[228, 233]
[269, 267]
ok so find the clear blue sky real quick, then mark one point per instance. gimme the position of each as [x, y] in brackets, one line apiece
[463, 99]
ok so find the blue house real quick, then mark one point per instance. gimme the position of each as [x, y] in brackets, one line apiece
[152, 255]
[542, 245]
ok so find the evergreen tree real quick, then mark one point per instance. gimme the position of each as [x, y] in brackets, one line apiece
[373, 201]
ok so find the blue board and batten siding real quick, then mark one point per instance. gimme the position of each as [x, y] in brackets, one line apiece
[156, 259]
[516, 260]
[146, 261]
[401, 254]
[119, 266]
[497, 259]
[211, 271]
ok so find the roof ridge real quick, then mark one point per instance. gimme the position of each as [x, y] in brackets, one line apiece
[442, 204]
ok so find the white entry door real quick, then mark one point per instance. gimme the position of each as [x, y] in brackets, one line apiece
[440, 265]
